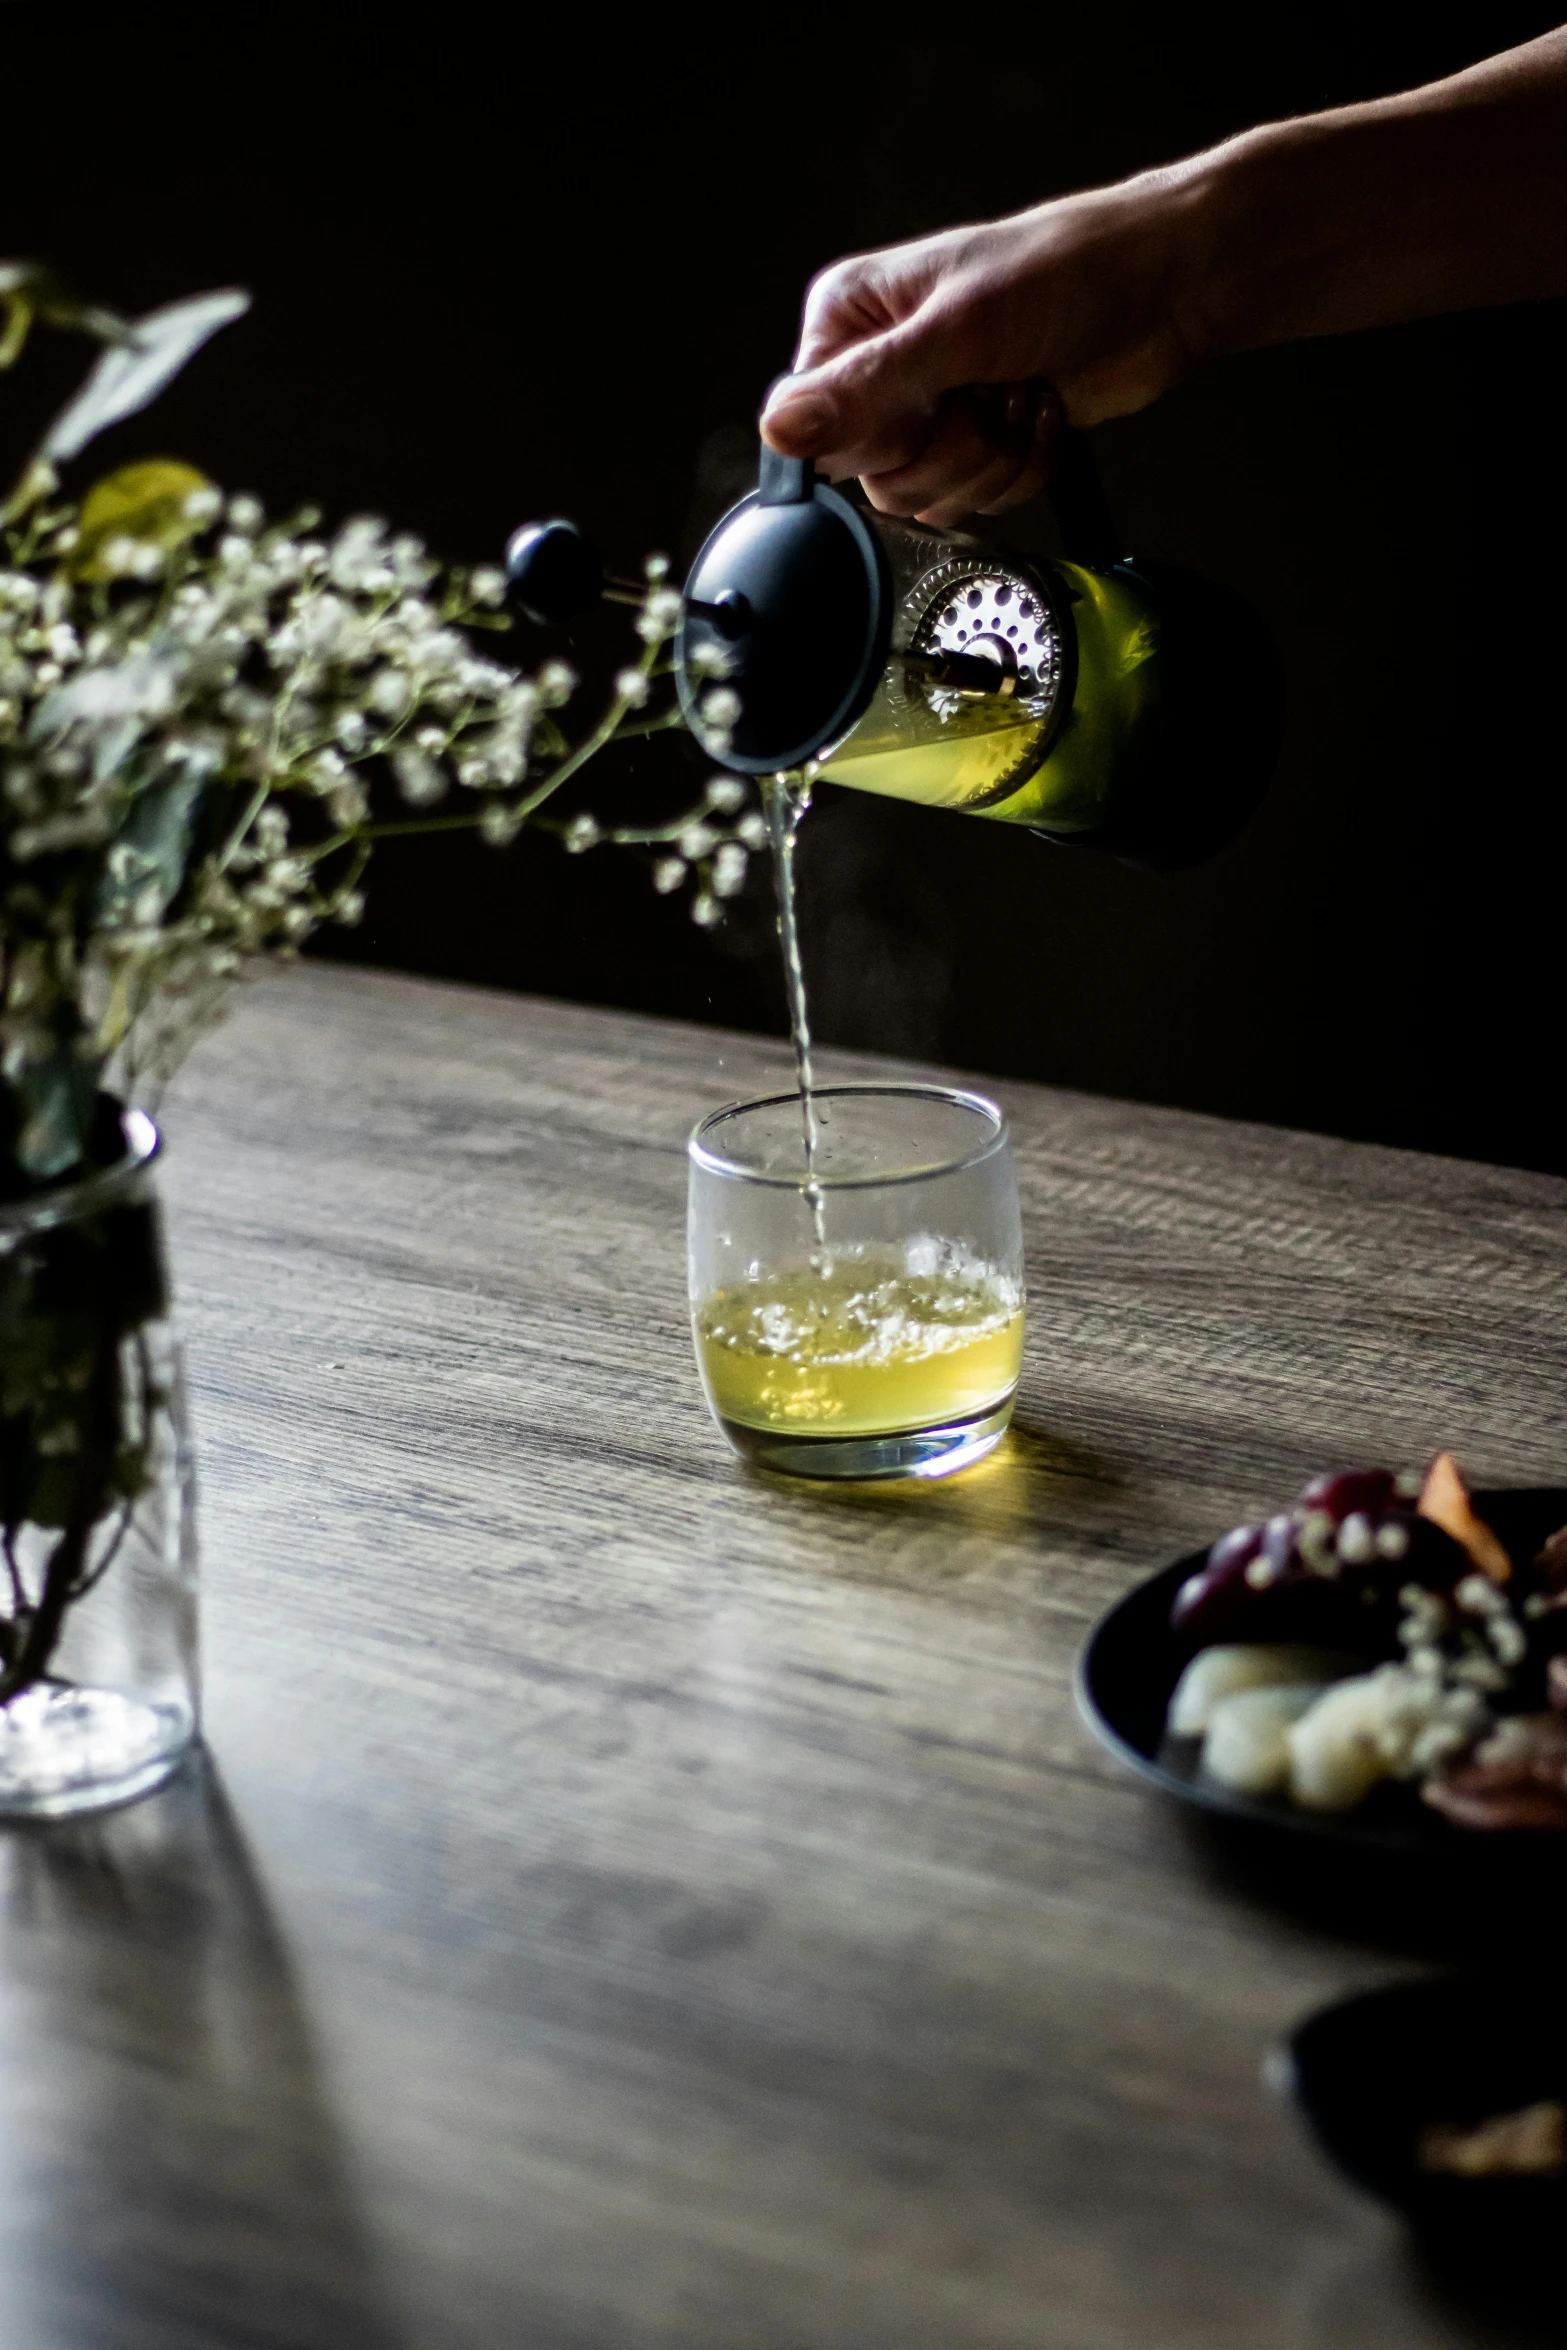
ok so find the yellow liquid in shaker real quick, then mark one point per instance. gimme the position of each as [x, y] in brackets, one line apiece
[956, 771]
[989, 757]
[860, 1347]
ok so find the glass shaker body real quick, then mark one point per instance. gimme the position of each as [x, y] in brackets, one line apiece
[1123, 705]
[1074, 651]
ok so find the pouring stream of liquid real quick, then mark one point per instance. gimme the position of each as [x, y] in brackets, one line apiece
[786, 798]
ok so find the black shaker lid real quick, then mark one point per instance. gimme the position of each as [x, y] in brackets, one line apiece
[555, 572]
[793, 589]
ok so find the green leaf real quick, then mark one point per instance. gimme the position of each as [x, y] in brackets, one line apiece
[29, 290]
[126, 379]
[144, 502]
[54, 1095]
[37, 482]
[150, 850]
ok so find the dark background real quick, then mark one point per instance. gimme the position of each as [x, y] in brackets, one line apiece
[508, 263]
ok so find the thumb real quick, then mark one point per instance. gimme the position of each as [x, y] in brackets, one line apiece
[870, 409]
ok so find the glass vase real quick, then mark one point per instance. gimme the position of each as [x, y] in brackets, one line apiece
[98, 1677]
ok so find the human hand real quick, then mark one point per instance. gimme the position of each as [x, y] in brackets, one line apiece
[940, 371]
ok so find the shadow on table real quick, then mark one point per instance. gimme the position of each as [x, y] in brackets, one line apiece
[1512, 2299]
[170, 2170]
[1366, 2072]
[1469, 1903]
[1032, 1479]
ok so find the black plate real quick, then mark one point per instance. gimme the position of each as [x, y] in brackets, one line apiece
[1130, 1664]
[1370, 2073]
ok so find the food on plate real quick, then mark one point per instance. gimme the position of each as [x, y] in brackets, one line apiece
[1516, 1778]
[1218, 1673]
[1379, 1630]
[1551, 1565]
[1520, 2145]
[1330, 1566]
[1393, 1723]
[1246, 1745]
[1444, 1499]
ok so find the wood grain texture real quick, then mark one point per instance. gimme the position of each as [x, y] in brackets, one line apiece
[636, 1904]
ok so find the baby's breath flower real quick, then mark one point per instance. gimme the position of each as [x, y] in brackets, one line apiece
[655, 567]
[729, 869]
[752, 829]
[419, 779]
[499, 824]
[357, 560]
[348, 804]
[660, 615]
[118, 557]
[710, 659]
[483, 677]
[504, 756]
[270, 662]
[411, 566]
[721, 707]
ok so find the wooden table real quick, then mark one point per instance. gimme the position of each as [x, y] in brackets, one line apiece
[634, 1903]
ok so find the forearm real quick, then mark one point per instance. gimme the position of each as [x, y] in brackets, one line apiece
[1451, 197]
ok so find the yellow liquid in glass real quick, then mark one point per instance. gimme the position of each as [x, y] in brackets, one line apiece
[861, 1347]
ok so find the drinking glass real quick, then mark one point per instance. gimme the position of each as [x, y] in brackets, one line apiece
[858, 1311]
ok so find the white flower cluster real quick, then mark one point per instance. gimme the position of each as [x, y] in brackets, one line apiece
[1397, 1721]
[192, 711]
[1469, 1640]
